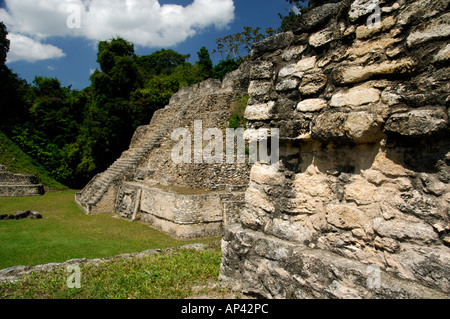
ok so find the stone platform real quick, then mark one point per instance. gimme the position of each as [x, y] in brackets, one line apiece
[181, 212]
[19, 185]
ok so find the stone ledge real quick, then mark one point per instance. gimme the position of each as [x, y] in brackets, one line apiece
[7, 178]
[179, 212]
[193, 230]
[21, 190]
[276, 268]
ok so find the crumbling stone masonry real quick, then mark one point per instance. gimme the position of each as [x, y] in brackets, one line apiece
[359, 207]
[183, 199]
[19, 185]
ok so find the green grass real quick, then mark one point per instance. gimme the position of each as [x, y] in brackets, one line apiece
[65, 232]
[16, 161]
[172, 274]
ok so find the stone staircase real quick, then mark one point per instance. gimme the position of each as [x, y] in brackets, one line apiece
[95, 190]
[99, 195]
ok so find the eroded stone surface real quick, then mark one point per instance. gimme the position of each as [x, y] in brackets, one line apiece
[362, 186]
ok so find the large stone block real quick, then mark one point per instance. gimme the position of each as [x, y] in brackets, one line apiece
[439, 28]
[321, 37]
[357, 73]
[364, 31]
[355, 97]
[270, 44]
[263, 70]
[362, 193]
[357, 127]
[293, 231]
[316, 18]
[405, 230]
[259, 111]
[257, 88]
[293, 53]
[314, 185]
[443, 54]
[265, 175]
[361, 48]
[255, 197]
[390, 166]
[312, 82]
[311, 105]
[287, 84]
[361, 8]
[417, 123]
[298, 69]
[274, 268]
[344, 216]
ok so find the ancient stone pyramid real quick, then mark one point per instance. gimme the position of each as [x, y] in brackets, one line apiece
[358, 206]
[186, 200]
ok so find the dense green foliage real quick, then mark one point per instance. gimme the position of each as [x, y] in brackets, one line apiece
[16, 161]
[4, 43]
[224, 67]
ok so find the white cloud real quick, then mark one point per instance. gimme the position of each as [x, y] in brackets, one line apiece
[143, 22]
[28, 49]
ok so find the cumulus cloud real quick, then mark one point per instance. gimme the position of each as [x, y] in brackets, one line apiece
[28, 49]
[143, 22]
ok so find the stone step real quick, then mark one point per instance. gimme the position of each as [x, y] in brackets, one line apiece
[95, 190]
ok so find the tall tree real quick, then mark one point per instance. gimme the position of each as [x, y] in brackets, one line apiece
[119, 76]
[4, 43]
[161, 62]
[204, 62]
[225, 66]
[12, 88]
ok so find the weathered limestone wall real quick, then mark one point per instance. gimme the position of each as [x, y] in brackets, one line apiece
[211, 103]
[19, 185]
[182, 212]
[359, 206]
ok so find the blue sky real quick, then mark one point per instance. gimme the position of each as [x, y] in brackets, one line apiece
[43, 44]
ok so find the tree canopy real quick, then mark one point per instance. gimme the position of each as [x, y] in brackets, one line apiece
[4, 43]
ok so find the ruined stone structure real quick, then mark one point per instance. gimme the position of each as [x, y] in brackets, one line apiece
[183, 199]
[19, 185]
[359, 207]
[358, 204]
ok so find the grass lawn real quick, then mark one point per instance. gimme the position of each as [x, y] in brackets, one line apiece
[172, 274]
[66, 232]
